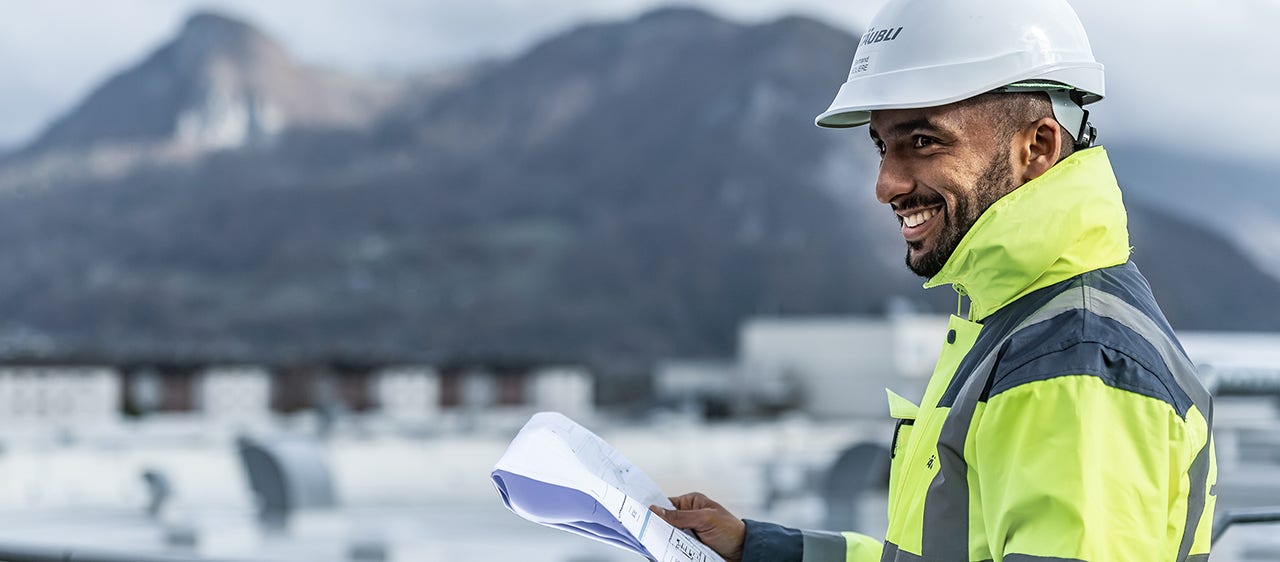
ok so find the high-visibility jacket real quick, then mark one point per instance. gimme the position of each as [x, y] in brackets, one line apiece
[1063, 420]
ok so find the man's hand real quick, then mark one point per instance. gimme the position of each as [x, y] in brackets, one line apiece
[711, 523]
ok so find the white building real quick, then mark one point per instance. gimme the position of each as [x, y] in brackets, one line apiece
[234, 393]
[407, 393]
[59, 396]
[839, 367]
[568, 390]
[699, 386]
[414, 393]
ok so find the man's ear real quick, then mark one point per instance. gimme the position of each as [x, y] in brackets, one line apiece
[1038, 147]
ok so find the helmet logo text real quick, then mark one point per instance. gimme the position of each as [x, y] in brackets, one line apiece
[874, 35]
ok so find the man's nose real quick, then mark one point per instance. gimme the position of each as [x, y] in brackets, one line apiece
[894, 180]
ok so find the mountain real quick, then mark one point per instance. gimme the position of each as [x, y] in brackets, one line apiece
[619, 193]
[219, 84]
[1200, 278]
[1237, 200]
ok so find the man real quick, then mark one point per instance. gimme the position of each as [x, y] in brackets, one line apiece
[1063, 421]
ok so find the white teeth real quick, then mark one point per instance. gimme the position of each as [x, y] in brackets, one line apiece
[918, 219]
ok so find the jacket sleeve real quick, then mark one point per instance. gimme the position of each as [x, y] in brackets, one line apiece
[767, 542]
[1073, 468]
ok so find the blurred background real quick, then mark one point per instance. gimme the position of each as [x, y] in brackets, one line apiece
[279, 281]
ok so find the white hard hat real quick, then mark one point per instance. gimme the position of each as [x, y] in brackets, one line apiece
[926, 53]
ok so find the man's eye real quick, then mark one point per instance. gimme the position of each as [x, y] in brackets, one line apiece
[922, 141]
[879, 147]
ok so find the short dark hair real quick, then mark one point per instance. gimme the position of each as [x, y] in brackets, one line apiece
[1014, 111]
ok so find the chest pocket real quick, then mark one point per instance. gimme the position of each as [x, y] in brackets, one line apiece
[905, 412]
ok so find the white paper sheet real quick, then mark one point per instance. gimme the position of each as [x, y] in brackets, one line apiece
[559, 474]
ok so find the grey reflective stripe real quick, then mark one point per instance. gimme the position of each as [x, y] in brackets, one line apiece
[891, 553]
[946, 506]
[1030, 558]
[1198, 476]
[1198, 557]
[821, 546]
[1111, 306]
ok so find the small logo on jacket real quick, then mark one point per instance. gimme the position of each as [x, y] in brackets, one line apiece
[874, 35]
[929, 464]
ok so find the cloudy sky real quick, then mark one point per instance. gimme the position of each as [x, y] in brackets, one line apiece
[1191, 73]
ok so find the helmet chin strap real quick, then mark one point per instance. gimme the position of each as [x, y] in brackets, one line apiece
[1072, 118]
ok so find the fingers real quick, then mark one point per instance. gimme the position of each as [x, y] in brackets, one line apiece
[696, 520]
[693, 511]
[695, 500]
[710, 522]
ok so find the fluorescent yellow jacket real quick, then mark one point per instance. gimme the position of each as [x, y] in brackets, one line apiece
[1063, 420]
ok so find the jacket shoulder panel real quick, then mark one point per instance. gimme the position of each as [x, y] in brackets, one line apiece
[1080, 342]
[1107, 348]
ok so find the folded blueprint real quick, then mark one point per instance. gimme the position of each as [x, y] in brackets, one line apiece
[559, 474]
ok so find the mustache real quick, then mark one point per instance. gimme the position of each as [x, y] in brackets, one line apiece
[916, 201]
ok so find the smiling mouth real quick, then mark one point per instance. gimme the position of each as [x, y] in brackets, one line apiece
[918, 218]
[917, 222]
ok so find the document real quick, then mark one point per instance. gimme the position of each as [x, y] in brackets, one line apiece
[559, 474]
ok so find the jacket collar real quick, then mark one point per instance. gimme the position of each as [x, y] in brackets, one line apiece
[1068, 221]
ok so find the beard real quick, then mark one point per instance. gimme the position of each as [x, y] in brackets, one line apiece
[995, 182]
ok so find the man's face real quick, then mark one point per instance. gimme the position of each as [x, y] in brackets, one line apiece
[940, 168]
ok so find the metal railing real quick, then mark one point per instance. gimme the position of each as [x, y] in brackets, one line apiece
[1240, 381]
[1239, 516]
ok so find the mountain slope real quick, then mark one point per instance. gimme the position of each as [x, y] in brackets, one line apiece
[1199, 277]
[619, 193]
[1238, 200]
